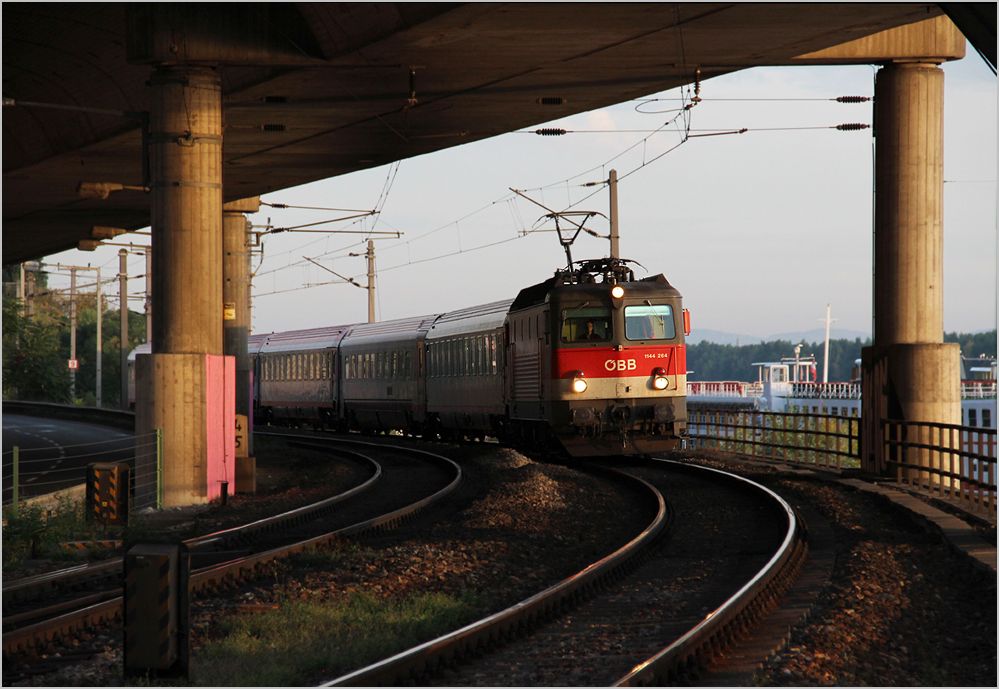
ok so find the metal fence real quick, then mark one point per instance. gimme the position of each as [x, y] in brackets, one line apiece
[956, 462]
[34, 472]
[814, 439]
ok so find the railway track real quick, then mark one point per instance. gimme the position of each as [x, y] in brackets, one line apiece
[224, 558]
[664, 617]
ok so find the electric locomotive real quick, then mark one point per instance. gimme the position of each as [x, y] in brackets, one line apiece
[596, 361]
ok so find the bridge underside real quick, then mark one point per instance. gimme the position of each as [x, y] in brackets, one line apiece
[311, 91]
[196, 105]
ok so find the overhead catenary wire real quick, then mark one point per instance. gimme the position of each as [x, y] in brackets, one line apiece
[684, 130]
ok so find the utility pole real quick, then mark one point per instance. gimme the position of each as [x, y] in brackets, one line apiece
[123, 315]
[370, 255]
[147, 252]
[73, 311]
[20, 286]
[72, 333]
[825, 365]
[100, 342]
[615, 249]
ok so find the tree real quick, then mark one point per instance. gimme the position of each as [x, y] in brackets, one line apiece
[34, 368]
[86, 350]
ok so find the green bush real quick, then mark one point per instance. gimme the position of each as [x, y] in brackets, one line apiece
[302, 642]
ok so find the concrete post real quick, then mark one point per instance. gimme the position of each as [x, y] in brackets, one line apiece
[370, 255]
[99, 373]
[615, 237]
[123, 326]
[183, 387]
[72, 335]
[148, 305]
[236, 324]
[912, 374]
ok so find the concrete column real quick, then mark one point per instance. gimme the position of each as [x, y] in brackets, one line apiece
[236, 325]
[185, 152]
[908, 212]
[183, 387]
[910, 374]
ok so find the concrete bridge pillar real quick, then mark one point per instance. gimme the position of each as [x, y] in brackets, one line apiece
[236, 240]
[909, 373]
[182, 388]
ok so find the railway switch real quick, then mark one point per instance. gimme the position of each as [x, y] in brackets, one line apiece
[156, 610]
[108, 492]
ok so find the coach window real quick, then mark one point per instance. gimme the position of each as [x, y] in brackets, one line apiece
[586, 324]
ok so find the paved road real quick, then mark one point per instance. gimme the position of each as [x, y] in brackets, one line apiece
[54, 454]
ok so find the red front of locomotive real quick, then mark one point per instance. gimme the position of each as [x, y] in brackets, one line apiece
[618, 367]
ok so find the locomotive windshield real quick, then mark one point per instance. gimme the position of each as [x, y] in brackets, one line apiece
[586, 324]
[649, 322]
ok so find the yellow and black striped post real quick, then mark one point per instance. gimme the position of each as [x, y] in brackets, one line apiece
[156, 611]
[108, 492]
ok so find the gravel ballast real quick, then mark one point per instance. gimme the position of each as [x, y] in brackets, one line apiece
[900, 609]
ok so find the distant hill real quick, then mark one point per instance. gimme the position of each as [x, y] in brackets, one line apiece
[816, 335]
[720, 337]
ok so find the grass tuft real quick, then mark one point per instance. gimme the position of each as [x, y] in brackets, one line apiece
[302, 643]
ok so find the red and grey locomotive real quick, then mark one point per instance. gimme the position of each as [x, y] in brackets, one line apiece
[597, 360]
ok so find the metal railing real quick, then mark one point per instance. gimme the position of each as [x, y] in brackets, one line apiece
[813, 439]
[35, 472]
[956, 462]
[978, 389]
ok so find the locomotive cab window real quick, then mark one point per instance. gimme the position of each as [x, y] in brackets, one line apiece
[586, 324]
[649, 322]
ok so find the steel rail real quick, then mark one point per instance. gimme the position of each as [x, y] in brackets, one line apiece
[222, 574]
[720, 625]
[407, 665]
[31, 587]
[715, 630]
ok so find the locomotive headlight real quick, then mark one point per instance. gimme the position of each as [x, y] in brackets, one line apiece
[579, 382]
[617, 291]
[659, 379]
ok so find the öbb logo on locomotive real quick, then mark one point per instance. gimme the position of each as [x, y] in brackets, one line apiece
[592, 360]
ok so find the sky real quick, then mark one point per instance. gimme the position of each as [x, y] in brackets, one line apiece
[758, 231]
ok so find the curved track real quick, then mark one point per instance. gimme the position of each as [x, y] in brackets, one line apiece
[636, 630]
[263, 541]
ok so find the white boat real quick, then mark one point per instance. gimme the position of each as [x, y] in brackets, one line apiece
[790, 385]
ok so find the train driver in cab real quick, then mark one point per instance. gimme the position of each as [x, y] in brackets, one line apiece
[590, 333]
